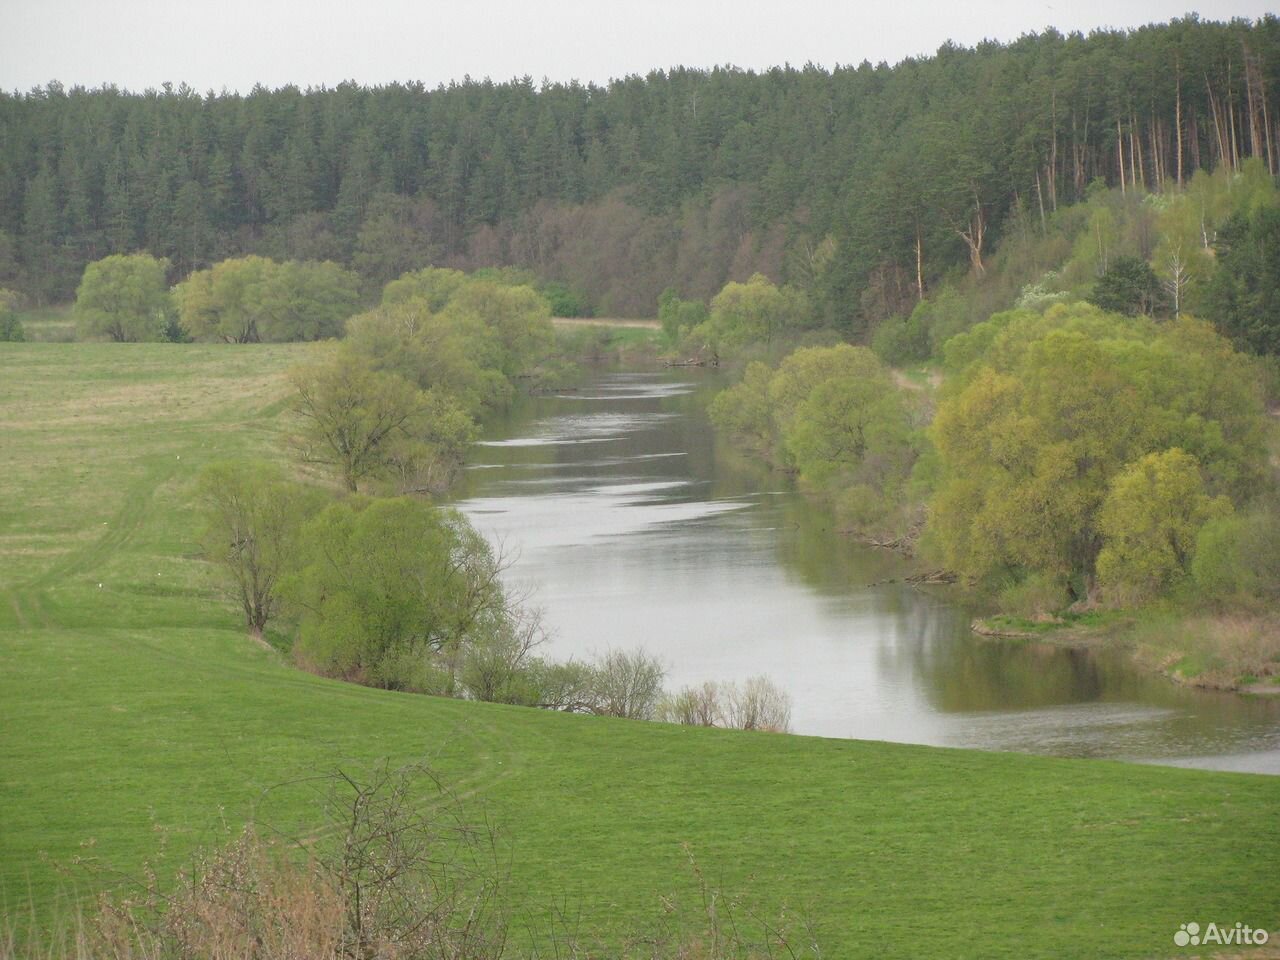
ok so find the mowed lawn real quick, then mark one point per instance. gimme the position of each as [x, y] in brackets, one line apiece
[136, 716]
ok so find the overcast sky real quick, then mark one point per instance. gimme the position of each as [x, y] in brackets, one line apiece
[234, 44]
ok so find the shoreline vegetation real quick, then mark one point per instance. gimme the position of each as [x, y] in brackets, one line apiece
[1085, 460]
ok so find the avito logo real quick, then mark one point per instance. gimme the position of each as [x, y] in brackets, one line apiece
[1189, 934]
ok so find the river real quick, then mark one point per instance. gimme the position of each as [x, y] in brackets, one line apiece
[632, 527]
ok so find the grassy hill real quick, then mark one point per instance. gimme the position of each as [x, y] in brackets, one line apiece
[133, 708]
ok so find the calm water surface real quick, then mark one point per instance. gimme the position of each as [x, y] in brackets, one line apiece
[635, 529]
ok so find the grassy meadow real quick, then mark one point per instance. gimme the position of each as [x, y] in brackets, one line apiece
[136, 716]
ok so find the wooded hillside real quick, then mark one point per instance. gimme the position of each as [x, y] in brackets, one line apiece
[863, 185]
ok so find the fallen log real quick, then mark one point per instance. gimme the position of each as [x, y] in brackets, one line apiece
[933, 576]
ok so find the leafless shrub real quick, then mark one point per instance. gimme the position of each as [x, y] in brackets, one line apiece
[698, 706]
[399, 873]
[758, 704]
[498, 656]
[626, 685]
[399, 880]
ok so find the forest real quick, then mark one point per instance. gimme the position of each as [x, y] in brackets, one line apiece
[865, 186]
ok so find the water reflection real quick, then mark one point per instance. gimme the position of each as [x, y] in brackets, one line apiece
[636, 528]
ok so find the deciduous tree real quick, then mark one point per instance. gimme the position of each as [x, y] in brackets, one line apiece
[355, 418]
[123, 297]
[252, 518]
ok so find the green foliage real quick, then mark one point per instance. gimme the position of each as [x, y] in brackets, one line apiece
[745, 411]
[1237, 558]
[755, 312]
[123, 298]
[564, 300]
[151, 678]
[398, 235]
[1128, 286]
[852, 425]
[1036, 596]
[385, 582]
[450, 352]
[900, 341]
[254, 299]
[1054, 407]
[622, 192]
[835, 417]
[10, 326]
[1243, 298]
[252, 517]
[678, 317]
[469, 336]
[432, 287]
[355, 418]
[517, 316]
[1149, 522]
[227, 301]
[307, 301]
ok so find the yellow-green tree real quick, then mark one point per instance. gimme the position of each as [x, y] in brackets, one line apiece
[252, 516]
[452, 352]
[1154, 511]
[835, 417]
[123, 297]
[753, 312]
[1035, 430]
[251, 299]
[227, 301]
[353, 417]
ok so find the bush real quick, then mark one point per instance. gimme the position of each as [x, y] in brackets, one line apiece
[626, 685]
[564, 300]
[499, 652]
[10, 326]
[678, 316]
[1237, 558]
[693, 706]
[901, 340]
[398, 873]
[757, 705]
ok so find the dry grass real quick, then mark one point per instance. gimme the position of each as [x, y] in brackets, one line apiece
[1223, 652]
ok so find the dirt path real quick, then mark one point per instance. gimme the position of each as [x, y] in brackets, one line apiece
[606, 322]
[902, 380]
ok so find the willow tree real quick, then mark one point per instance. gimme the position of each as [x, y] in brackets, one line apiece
[123, 297]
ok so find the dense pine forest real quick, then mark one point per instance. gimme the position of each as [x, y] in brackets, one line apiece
[864, 186]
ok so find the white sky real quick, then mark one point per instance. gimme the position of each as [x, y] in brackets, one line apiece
[234, 44]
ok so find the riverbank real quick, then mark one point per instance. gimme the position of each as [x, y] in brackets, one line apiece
[1227, 652]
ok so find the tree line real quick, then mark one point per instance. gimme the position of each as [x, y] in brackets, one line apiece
[864, 185]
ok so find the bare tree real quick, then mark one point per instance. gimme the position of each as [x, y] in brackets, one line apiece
[627, 685]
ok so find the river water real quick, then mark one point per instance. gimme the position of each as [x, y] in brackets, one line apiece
[633, 528]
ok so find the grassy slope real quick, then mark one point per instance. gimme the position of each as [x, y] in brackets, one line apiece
[138, 707]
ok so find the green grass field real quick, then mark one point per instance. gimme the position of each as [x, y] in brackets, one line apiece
[44, 324]
[133, 708]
